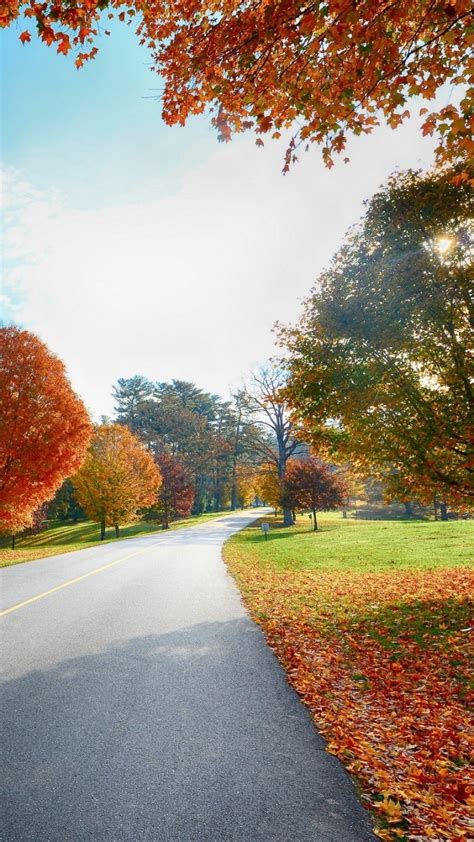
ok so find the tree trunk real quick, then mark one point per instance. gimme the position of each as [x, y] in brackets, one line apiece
[102, 530]
[408, 508]
[234, 497]
[293, 515]
[287, 517]
[315, 521]
[13, 541]
[443, 507]
[435, 507]
[218, 489]
[117, 530]
[344, 513]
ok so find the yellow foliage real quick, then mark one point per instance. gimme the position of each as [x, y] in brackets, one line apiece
[118, 477]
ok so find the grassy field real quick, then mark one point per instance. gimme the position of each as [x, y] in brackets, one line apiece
[63, 538]
[371, 621]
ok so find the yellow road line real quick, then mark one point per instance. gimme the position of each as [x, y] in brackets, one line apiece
[69, 582]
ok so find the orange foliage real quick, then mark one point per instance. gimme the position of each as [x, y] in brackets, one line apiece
[332, 68]
[382, 662]
[118, 477]
[44, 427]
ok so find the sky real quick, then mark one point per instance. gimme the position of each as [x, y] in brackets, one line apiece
[133, 248]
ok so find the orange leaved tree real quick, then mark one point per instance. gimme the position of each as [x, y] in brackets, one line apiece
[325, 69]
[44, 427]
[118, 477]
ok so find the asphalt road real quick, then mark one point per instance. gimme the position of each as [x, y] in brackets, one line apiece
[141, 703]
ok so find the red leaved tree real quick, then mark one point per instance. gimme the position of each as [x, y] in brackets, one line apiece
[176, 496]
[310, 484]
[44, 427]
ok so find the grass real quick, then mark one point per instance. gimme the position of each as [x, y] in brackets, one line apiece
[360, 545]
[63, 537]
[371, 621]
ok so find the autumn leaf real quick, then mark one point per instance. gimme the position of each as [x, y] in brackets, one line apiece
[25, 37]
[64, 46]
[48, 35]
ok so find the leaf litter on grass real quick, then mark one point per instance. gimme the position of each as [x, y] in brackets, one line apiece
[382, 662]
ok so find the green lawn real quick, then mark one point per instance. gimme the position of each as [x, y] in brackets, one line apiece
[360, 545]
[63, 538]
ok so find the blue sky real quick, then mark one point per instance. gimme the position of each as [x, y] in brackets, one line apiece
[95, 132]
[131, 247]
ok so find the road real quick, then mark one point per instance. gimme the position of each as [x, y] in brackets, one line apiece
[140, 702]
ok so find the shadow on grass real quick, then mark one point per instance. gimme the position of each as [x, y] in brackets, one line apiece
[425, 622]
[386, 513]
[60, 535]
[277, 531]
[68, 534]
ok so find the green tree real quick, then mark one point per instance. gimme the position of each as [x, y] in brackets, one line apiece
[380, 365]
[129, 394]
[64, 505]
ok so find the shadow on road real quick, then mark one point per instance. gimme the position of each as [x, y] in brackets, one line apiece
[188, 735]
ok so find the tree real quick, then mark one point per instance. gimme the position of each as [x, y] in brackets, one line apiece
[64, 505]
[330, 69]
[310, 484]
[269, 485]
[129, 393]
[118, 478]
[176, 495]
[246, 485]
[44, 427]
[380, 365]
[210, 437]
[246, 441]
[266, 396]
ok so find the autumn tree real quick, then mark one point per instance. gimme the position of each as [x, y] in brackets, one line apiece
[266, 396]
[324, 71]
[176, 495]
[269, 486]
[381, 363]
[118, 477]
[310, 484]
[246, 484]
[44, 427]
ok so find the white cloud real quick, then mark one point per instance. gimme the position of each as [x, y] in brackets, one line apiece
[189, 285]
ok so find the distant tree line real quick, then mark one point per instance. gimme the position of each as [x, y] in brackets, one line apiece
[375, 387]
